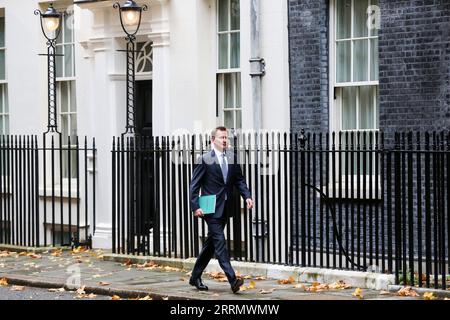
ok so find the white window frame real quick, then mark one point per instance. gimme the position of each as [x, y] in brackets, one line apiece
[4, 116]
[221, 72]
[334, 86]
[68, 80]
[335, 122]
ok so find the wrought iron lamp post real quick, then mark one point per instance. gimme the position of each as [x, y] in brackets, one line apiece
[130, 18]
[51, 28]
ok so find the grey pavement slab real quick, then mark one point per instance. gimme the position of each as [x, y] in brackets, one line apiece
[131, 279]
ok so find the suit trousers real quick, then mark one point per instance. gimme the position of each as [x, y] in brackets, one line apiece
[215, 244]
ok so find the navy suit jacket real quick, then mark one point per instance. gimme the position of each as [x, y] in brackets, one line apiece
[208, 177]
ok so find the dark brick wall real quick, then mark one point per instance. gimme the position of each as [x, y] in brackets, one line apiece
[414, 53]
[308, 40]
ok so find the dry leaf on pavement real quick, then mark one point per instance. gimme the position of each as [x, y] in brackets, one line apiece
[339, 285]
[300, 286]
[358, 293]
[291, 280]
[17, 288]
[262, 291]
[251, 285]
[57, 290]
[260, 278]
[115, 297]
[429, 296]
[407, 292]
[146, 298]
[81, 290]
[3, 282]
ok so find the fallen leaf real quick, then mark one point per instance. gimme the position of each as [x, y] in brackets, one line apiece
[407, 292]
[57, 290]
[251, 285]
[91, 295]
[300, 286]
[81, 290]
[358, 293]
[429, 296]
[382, 292]
[4, 254]
[56, 253]
[23, 253]
[33, 255]
[115, 297]
[339, 285]
[3, 282]
[165, 298]
[247, 277]
[291, 280]
[260, 278]
[17, 288]
[182, 279]
[101, 283]
[146, 298]
[262, 291]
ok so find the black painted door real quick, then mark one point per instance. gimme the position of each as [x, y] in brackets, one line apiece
[145, 163]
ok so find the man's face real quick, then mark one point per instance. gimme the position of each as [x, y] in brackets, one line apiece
[221, 140]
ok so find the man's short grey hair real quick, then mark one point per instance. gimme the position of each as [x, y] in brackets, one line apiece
[220, 128]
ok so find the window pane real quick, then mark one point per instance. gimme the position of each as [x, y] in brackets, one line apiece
[73, 102]
[377, 113]
[366, 108]
[373, 30]
[229, 103]
[60, 39]
[360, 18]
[2, 31]
[223, 51]
[64, 96]
[68, 28]
[235, 50]
[223, 15]
[343, 21]
[229, 121]
[360, 61]
[343, 61]
[235, 15]
[238, 119]
[59, 62]
[349, 108]
[64, 127]
[68, 60]
[2, 127]
[2, 109]
[374, 59]
[238, 91]
[2, 65]
[6, 125]
[73, 125]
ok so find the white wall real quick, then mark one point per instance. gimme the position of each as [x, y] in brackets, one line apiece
[184, 74]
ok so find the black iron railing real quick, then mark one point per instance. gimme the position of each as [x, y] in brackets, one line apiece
[47, 191]
[347, 200]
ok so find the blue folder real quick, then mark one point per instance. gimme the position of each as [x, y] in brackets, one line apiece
[207, 204]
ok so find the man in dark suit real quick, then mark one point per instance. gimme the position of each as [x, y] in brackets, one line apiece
[216, 174]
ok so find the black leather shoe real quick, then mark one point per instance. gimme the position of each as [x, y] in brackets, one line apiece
[198, 284]
[237, 284]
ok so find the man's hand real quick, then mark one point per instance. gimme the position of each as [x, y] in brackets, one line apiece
[249, 203]
[198, 213]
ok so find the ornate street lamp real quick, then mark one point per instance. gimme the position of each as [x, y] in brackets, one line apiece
[130, 18]
[51, 28]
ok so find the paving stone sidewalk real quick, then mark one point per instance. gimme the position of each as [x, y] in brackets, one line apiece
[70, 269]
